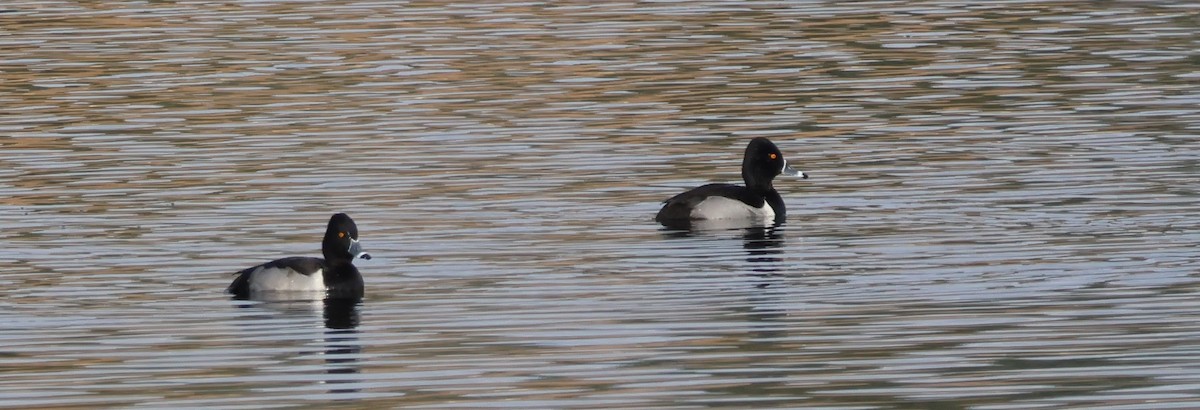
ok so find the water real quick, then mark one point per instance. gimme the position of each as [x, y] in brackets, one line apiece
[1001, 214]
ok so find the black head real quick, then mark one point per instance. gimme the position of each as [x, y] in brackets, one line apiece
[341, 240]
[763, 162]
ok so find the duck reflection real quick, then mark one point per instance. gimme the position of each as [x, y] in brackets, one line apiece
[764, 255]
[339, 339]
[342, 347]
[764, 248]
[341, 314]
[762, 240]
[696, 227]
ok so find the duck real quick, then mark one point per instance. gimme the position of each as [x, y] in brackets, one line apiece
[757, 200]
[331, 277]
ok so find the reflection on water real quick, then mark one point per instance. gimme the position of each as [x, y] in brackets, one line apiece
[764, 246]
[763, 241]
[342, 347]
[1005, 214]
[341, 314]
[338, 345]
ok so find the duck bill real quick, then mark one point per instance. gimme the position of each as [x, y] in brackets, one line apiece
[792, 172]
[357, 251]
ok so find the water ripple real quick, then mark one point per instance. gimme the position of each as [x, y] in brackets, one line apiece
[1001, 213]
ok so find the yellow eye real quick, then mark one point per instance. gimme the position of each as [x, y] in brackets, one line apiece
[341, 234]
[774, 156]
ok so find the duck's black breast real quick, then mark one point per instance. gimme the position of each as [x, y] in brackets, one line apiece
[345, 283]
[680, 207]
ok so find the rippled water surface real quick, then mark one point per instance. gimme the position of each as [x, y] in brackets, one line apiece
[1002, 212]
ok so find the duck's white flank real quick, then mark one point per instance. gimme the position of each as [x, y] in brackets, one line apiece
[719, 207]
[278, 279]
